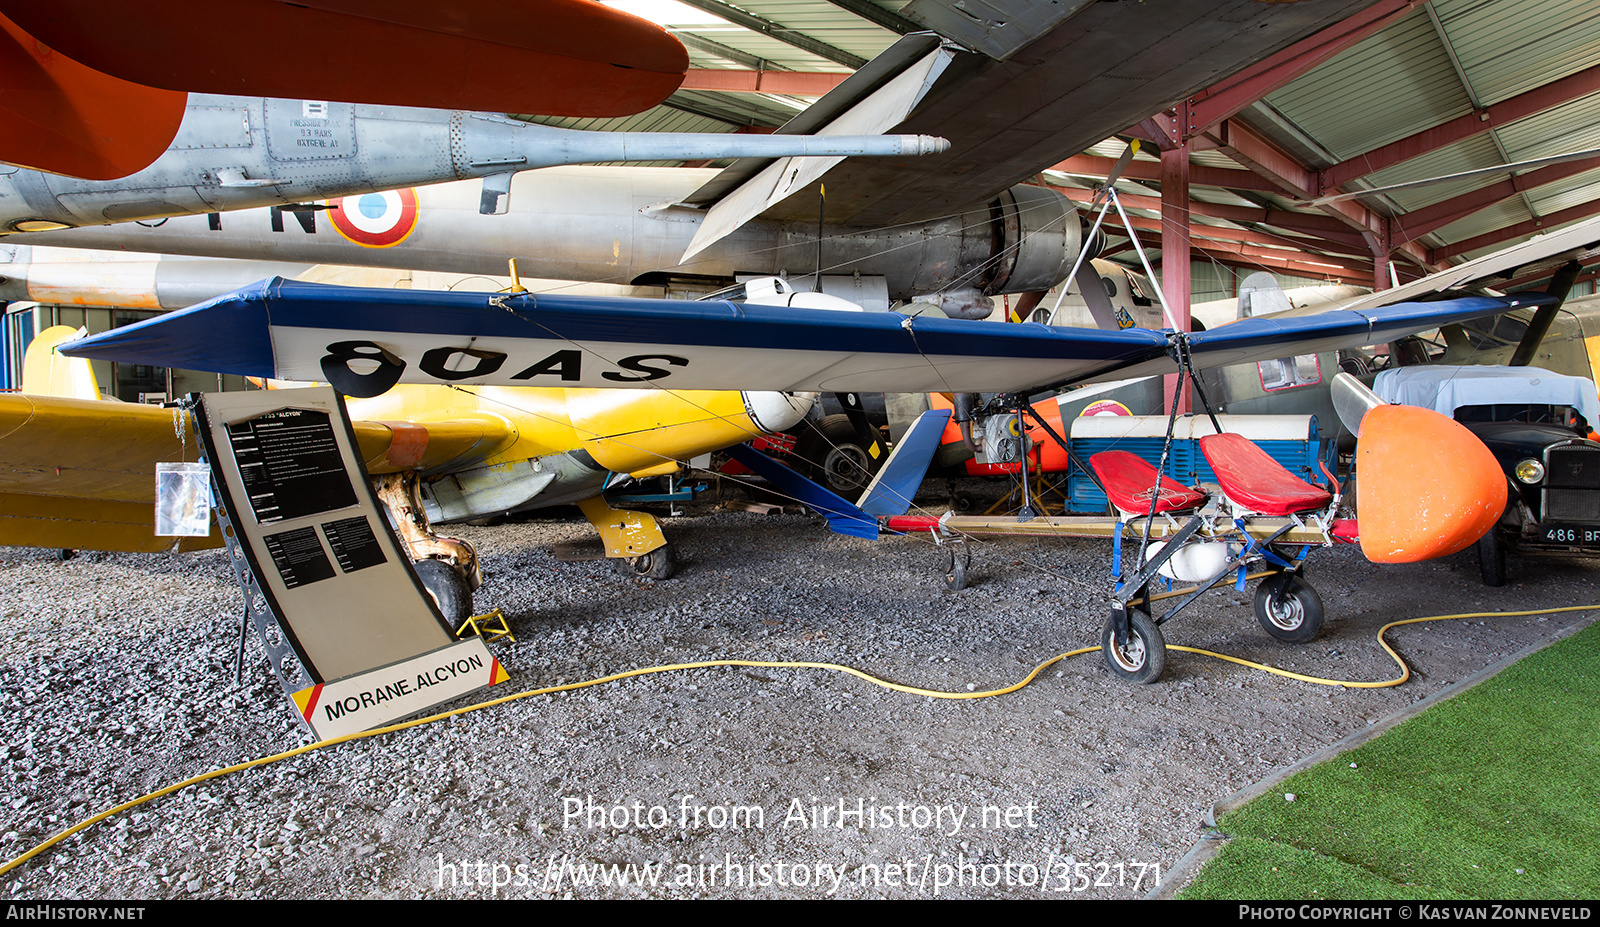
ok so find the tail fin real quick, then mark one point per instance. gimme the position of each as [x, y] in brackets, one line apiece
[892, 489]
[47, 373]
[843, 516]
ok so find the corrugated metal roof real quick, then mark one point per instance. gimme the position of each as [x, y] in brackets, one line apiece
[1377, 92]
[1477, 152]
[1571, 127]
[1574, 191]
[1509, 212]
[1508, 47]
[1419, 72]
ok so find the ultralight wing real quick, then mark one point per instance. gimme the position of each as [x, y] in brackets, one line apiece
[365, 340]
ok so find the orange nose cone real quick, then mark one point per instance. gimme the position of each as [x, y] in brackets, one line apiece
[1426, 487]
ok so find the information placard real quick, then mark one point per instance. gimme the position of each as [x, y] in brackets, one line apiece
[326, 582]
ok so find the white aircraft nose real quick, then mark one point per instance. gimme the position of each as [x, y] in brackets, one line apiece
[774, 412]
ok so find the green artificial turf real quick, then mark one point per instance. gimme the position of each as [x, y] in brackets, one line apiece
[1492, 794]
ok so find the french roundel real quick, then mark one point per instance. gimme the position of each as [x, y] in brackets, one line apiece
[376, 220]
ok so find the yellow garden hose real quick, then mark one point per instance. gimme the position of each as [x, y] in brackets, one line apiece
[1405, 674]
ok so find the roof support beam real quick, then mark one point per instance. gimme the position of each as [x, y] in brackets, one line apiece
[1522, 106]
[1227, 178]
[1254, 258]
[1530, 227]
[1414, 225]
[778, 31]
[878, 16]
[1175, 257]
[1200, 233]
[790, 83]
[1249, 148]
[1228, 97]
[1322, 227]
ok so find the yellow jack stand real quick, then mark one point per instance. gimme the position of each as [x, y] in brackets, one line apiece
[490, 626]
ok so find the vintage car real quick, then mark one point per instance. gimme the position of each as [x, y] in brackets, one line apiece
[1539, 425]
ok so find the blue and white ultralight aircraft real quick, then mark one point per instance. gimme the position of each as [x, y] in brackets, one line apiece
[363, 341]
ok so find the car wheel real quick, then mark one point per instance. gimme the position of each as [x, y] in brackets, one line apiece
[1492, 558]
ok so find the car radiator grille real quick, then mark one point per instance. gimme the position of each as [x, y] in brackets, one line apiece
[1572, 484]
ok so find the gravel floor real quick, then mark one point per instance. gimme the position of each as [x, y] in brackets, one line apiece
[723, 782]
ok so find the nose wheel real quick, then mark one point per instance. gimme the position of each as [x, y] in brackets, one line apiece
[1141, 656]
[1288, 608]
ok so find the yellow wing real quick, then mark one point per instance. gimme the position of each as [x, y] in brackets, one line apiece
[77, 473]
[81, 473]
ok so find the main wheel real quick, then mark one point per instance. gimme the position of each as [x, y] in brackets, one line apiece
[955, 571]
[1143, 657]
[449, 591]
[1294, 615]
[660, 563]
[1492, 557]
[836, 456]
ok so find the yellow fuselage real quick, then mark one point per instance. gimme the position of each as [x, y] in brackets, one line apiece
[637, 432]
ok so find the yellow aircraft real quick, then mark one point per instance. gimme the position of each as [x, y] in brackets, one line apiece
[78, 471]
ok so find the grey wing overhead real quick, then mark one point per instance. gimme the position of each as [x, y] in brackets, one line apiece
[1082, 78]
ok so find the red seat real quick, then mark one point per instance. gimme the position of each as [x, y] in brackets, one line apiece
[1252, 479]
[1129, 480]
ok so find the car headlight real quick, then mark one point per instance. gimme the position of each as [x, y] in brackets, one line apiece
[1529, 471]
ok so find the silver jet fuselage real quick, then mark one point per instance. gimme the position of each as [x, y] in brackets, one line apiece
[623, 225]
[245, 152]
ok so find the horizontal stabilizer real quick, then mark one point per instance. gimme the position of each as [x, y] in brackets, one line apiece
[896, 482]
[843, 516]
[366, 340]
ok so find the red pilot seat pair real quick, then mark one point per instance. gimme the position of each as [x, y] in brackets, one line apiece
[1249, 478]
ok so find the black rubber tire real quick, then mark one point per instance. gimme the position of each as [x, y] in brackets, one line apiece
[833, 452]
[1144, 658]
[1492, 558]
[449, 590]
[1297, 618]
[955, 571]
[660, 563]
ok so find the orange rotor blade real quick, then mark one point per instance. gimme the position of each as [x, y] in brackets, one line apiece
[551, 57]
[58, 115]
